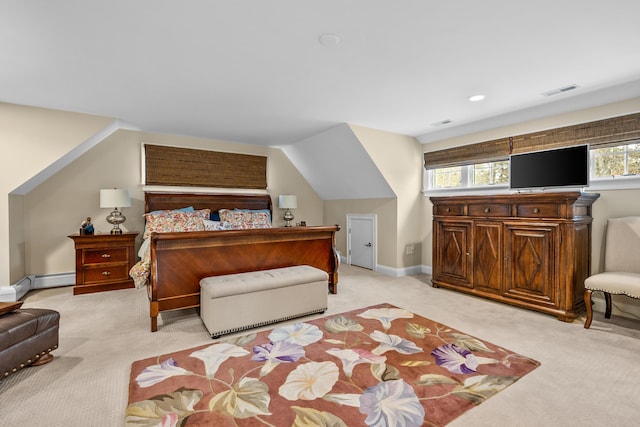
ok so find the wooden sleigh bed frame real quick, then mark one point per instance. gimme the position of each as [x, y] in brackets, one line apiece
[180, 260]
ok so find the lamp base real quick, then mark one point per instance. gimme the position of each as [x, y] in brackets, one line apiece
[288, 216]
[116, 218]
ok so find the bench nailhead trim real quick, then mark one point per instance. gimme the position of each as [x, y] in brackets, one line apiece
[268, 322]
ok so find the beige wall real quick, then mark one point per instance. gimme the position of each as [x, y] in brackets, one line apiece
[335, 212]
[399, 159]
[32, 139]
[54, 209]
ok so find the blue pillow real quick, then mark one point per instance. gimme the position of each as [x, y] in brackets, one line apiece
[215, 216]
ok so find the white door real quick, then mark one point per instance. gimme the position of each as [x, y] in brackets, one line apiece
[361, 241]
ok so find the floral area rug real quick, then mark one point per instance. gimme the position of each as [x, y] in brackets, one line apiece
[376, 366]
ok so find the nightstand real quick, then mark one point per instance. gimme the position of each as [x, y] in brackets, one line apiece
[103, 262]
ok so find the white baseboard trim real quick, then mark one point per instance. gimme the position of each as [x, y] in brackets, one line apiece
[54, 280]
[21, 287]
[406, 271]
[17, 290]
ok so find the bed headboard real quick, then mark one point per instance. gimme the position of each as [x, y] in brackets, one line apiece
[160, 201]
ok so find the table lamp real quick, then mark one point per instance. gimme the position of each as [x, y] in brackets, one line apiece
[288, 202]
[115, 198]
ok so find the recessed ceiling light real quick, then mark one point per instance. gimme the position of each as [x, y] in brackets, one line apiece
[329, 40]
[476, 98]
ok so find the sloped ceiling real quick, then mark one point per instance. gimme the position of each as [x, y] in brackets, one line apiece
[337, 166]
[276, 72]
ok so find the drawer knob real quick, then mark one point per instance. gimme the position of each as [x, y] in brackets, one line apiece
[448, 209]
[106, 273]
[536, 210]
[106, 256]
[487, 210]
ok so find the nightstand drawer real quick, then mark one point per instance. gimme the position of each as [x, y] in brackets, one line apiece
[99, 256]
[101, 274]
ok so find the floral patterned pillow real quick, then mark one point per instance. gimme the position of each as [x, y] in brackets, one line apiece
[241, 220]
[167, 222]
[216, 225]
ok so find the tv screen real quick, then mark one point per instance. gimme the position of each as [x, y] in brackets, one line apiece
[562, 167]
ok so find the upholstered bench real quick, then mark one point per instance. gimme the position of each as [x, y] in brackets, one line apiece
[235, 302]
[26, 338]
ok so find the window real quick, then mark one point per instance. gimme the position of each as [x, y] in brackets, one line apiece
[608, 166]
[446, 177]
[491, 173]
[469, 176]
[619, 160]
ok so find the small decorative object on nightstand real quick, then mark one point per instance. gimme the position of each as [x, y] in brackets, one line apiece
[115, 198]
[86, 227]
[103, 262]
[288, 202]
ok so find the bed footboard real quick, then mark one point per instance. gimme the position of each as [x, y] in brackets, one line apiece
[180, 260]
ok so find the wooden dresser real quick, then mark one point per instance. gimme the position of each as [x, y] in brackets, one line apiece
[103, 262]
[529, 250]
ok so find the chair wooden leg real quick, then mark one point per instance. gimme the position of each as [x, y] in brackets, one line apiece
[587, 303]
[607, 298]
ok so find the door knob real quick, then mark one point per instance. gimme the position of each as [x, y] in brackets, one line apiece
[368, 244]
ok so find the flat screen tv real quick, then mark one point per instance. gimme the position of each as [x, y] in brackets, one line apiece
[562, 167]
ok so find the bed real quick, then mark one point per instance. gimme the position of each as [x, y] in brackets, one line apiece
[179, 260]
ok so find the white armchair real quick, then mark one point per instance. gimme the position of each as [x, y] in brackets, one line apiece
[621, 275]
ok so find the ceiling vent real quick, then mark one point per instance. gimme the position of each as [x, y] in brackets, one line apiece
[441, 122]
[559, 90]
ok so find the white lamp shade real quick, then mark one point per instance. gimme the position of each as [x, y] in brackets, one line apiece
[115, 198]
[287, 201]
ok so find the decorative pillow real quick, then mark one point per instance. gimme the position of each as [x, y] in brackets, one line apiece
[216, 225]
[8, 307]
[267, 211]
[173, 221]
[203, 213]
[241, 220]
[187, 209]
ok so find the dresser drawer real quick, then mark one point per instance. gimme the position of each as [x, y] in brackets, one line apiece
[489, 209]
[453, 210]
[107, 273]
[538, 210]
[99, 256]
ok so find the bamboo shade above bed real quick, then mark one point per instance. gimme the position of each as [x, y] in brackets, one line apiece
[176, 166]
[597, 134]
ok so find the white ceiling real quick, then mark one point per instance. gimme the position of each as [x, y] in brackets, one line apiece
[254, 71]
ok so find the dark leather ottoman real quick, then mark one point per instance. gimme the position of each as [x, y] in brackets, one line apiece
[26, 338]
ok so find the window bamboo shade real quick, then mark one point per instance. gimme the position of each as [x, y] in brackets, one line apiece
[597, 134]
[174, 166]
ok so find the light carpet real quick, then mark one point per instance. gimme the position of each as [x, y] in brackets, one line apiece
[588, 377]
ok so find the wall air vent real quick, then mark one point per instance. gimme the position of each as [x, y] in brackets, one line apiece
[441, 122]
[559, 90]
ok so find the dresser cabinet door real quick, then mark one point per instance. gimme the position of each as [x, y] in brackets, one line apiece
[530, 263]
[452, 251]
[488, 259]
